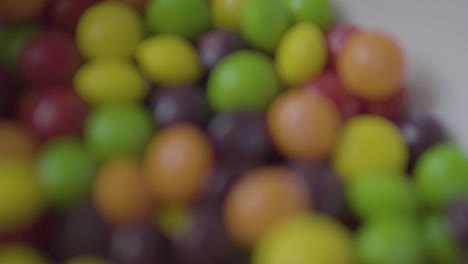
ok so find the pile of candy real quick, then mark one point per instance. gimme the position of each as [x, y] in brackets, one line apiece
[222, 131]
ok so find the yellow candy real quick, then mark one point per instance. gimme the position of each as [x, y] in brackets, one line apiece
[109, 29]
[169, 60]
[20, 254]
[227, 14]
[110, 81]
[301, 54]
[368, 144]
[87, 260]
[23, 199]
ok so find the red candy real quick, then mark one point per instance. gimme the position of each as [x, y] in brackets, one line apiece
[64, 14]
[392, 108]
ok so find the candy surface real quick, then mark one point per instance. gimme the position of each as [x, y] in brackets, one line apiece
[16, 11]
[440, 240]
[12, 42]
[65, 14]
[16, 142]
[318, 12]
[21, 254]
[227, 14]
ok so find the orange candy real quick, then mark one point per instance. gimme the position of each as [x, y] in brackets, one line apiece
[15, 11]
[261, 199]
[304, 125]
[16, 142]
[177, 164]
[371, 66]
[120, 193]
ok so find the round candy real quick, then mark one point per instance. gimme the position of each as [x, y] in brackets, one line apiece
[441, 174]
[12, 42]
[16, 142]
[115, 130]
[66, 172]
[318, 12]
[440, 241]
[304, 125]
[49, 58]
[186, 18]
[53, 112]
[263, 23]
[16, 11]
[172, 106]
[21, 254]
[120, 195]
[65, 14]
[177, 163]
[110, 80]
[214, 45]
[371, 66]
[379, 144]
[389, 240]
[88, 260]
[306, 239]
[380, 193]
[260, 200]
[109, 29]
[24, 199]
[169, 60]
[227, 14]
[245, 80]
[301, 54]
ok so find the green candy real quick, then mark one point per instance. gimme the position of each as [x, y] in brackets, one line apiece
[66, 172]
[382, 193]
[318, 12]
[118, 130]
[263, 23]
[187, 18]
[442, 175]
[12, 42]
[440, 241]
[390, 240]
[244, 80]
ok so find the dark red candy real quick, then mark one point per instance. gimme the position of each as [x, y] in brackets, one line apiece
[65, 14]
[54, 111]
[180, 105]
[141, 244]
[240, 134]
[213, 46]
[330, 85]
[336, 39]
[392, 108]
[82, 232]
[51, 58]
[8, 94]
[458, 219]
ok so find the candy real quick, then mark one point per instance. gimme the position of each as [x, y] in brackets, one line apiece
[457, 215]
[110, 80]
[137, 4]
[263, 23]
[66, 172]
[392, 108]
[261, 199]
[24, 199]
[12, 42]
[245, 80]
[15, 11]
[227, 14]
[389, 240]
[16, 142]
[49, 58]
[240, 134]
[440, 241]
[369, 143]
[65, 14]
[441, 174]
[301, 54]
[318, 12]
[177, 163]
[54, 112]
[87, 260]
[115, 130]
[179, 105]
[306, 239]
[169, 60]
[109, 29]
[337, 38]
[379, 194]
[186, 18]
[21, 254]
[120, 194]
[371, 66]
[304, 126]
[214, 45]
